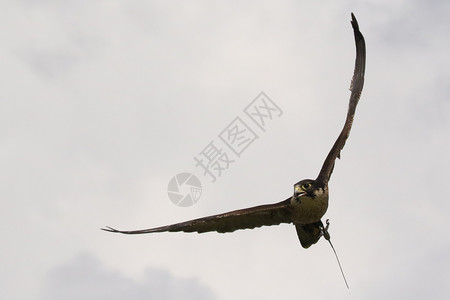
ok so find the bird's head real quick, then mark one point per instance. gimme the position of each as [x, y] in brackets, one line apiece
[307, 187]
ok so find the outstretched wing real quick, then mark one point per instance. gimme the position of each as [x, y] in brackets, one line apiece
[263, 215]
[356, 88]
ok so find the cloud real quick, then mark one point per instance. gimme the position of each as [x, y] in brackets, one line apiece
[85, 277]
[106, 101]
[58, 37]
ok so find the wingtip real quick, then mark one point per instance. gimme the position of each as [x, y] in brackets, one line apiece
[109, 229]
[354, 22]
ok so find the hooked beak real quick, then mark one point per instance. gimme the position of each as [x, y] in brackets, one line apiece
[298, 194]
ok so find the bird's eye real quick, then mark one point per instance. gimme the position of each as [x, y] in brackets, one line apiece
[306, 186]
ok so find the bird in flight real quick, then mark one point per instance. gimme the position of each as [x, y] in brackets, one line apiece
[309, 202]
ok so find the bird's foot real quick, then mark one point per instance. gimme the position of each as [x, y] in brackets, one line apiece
[324, 230]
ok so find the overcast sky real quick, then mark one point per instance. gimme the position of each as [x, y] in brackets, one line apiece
[103, 102]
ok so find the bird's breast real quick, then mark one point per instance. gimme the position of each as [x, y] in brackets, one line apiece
[309, 209]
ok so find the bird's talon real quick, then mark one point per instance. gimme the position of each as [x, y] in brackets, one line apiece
[324, 230]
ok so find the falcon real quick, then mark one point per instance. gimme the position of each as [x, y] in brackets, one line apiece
[307, 205]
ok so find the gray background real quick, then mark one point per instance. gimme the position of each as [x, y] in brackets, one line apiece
[102, 102]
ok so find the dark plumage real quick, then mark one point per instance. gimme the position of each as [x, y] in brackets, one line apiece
[310, 200]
